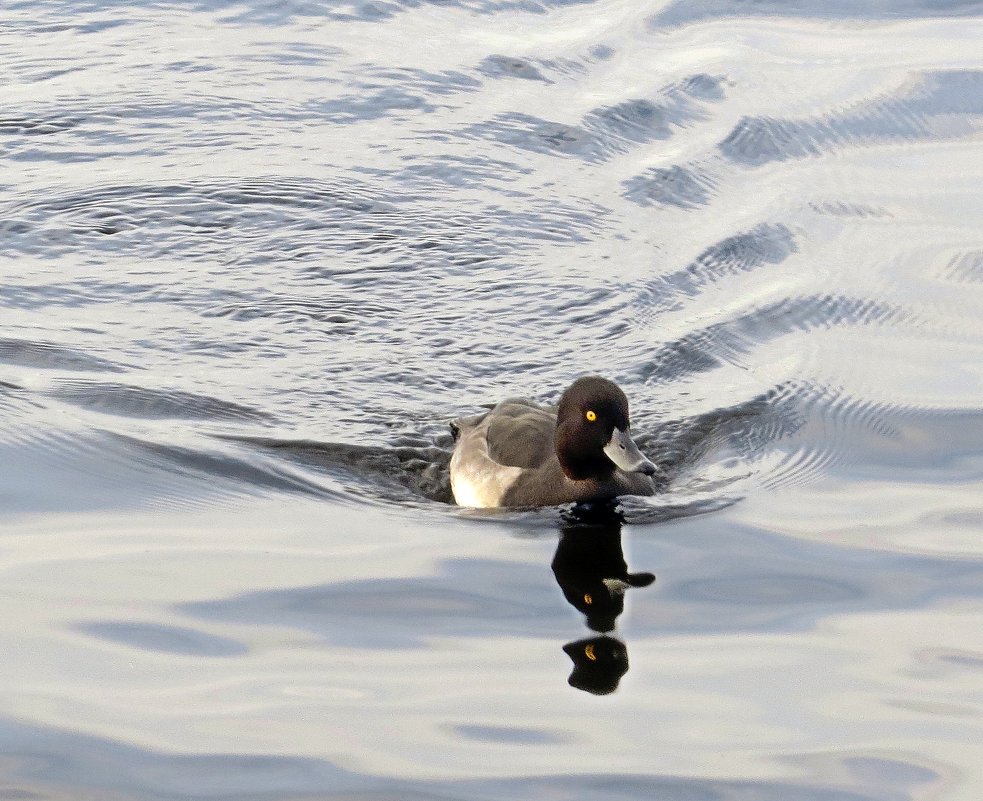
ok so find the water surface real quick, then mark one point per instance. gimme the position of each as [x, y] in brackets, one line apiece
[256, 256]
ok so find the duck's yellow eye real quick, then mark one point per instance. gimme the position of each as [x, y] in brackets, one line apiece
[588, 600]
[589, 652]
[591, 415]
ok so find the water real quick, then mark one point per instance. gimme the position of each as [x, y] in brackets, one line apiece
[256, 255]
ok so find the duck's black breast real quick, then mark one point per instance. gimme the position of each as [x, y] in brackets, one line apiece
[549, 486]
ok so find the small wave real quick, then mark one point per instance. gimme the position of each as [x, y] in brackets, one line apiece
[607, 130]
[682, 187]
[231, 473]
[767, 243]
[688, 12]
[840, 430]
[497, 66]
[939, 106]
[730, 341]
[47, 356]
[966, 268]
[37, 126]
[420, 467]
[131, 401]
[261, 221]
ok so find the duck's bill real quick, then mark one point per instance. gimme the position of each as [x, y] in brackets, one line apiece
[622, 450]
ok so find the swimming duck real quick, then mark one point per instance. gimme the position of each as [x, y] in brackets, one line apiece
[523, 454]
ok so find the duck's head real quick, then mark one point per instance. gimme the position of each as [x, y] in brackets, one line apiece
[593, 432]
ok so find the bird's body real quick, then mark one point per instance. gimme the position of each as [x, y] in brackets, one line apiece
[523, 454]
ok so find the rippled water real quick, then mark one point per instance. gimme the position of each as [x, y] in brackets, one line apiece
[256, 255]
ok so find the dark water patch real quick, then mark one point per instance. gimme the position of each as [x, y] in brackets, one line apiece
[953, 657]
[767, 243]
[685, 12]
[527, 132]
[47, 356]
[443, 83]
[27, 126]
[160, 638]
[497, 66]
[939, 106]
[364, 106]
[682, 187]
[608, 130]
[8, 387]
[510, 735]
[131, 401]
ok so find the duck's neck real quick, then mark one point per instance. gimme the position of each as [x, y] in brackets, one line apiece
[580, 463]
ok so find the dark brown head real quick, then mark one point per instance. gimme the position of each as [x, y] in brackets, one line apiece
[592, 432]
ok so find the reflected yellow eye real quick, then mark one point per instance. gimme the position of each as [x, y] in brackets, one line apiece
[589, 653]
[591, 415]
[588, 600]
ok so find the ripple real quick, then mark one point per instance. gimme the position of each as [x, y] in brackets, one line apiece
[47, 356]
[36, 126]
[682, 187]
[939, 106]
[607, 130]
[767, 243]
[510, 734]
[132, 401]
[497, 66]
[421, 467]
[236, 473]
[687, 12]
[966, 268]
[285, 219]
[730, 341]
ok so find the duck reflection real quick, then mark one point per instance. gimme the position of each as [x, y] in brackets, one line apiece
[591, 570]
[598, 664]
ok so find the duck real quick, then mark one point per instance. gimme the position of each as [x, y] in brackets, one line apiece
[521, 454]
